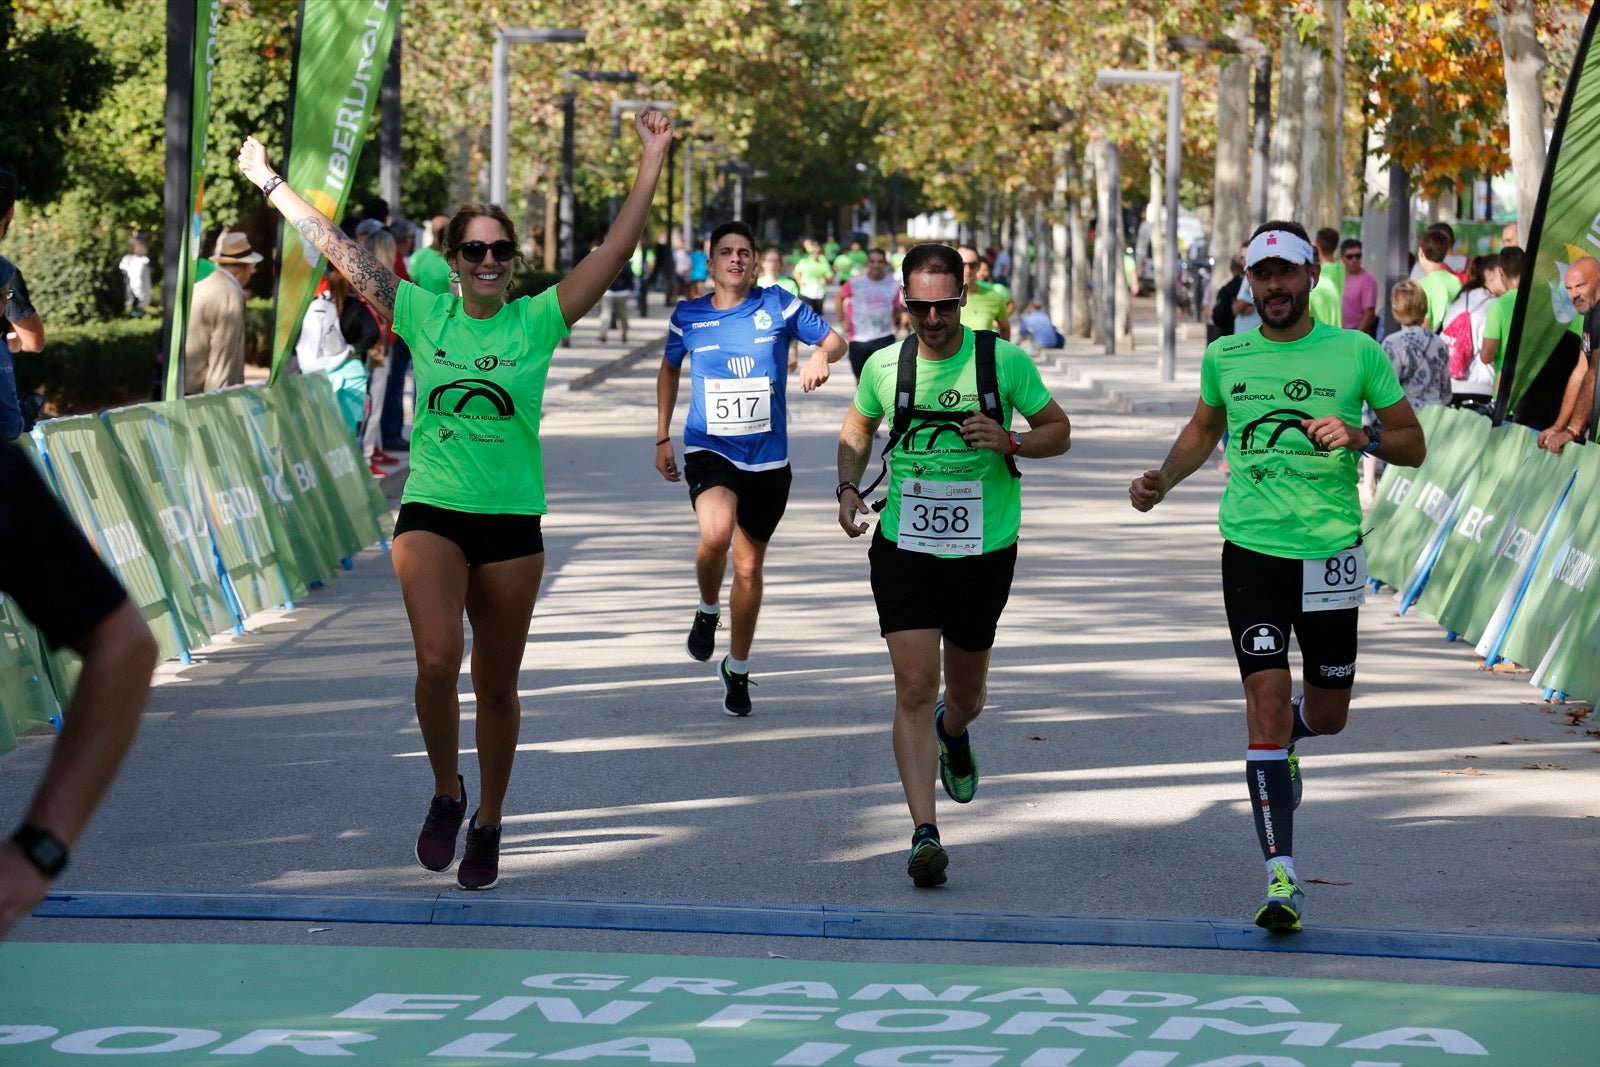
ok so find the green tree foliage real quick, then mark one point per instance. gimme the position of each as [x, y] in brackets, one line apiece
[50, 74]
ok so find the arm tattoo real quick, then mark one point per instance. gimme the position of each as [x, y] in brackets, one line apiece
[373, 280]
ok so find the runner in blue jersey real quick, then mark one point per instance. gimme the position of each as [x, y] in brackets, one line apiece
[735, 438]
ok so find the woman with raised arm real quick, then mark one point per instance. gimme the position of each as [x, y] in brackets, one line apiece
[468, 537]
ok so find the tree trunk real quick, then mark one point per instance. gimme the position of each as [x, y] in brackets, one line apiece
[1283, 186]
[1230, 192]
[1316, 207]
[1260, 127]
[1058, 294]
[1105, 233]
[1525, 61]
[1080, 208]
[1336, 105]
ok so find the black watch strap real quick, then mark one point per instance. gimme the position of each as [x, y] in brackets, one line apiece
[44, 849]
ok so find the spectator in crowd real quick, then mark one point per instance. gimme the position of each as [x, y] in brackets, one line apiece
[1471, 380]
[135, 268]
[1327, 297]
[338, 332]
[392, 416]
[1360, 303]
[1245, 316]
[1497, 320]
[614, 312]
[1222, 316]
[812, 274]
[22, 330]
[1438, 281]
[1419, 356]
[1036, 331]
[213, 349]
[428, 266]
[1575, 420]
[1002, 268]
[699, 271]
[680, 268]
[39, 545]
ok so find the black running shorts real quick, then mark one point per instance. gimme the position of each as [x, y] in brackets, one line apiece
[1262, 596]
[763, 495]
[962, 596]
[481, 538]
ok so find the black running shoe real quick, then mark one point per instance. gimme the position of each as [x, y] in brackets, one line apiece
[703, 635]
[436, 844]
[928, 859]
[480, 860]
[736, 690]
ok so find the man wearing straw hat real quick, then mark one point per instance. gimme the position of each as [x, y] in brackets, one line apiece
[213, 350]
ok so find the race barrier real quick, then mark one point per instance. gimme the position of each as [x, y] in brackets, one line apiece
[1496, 540]
[207, 509]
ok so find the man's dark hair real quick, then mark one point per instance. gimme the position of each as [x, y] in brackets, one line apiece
[8, 191]
[737, 229]
[1348, 244]
[930, 259]
[1327, 240]
[1511, 261]
[376, 207]
[1435, 244]
[1285, 225]
[1446, 229]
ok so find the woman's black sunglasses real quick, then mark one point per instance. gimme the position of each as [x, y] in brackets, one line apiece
[473, 251]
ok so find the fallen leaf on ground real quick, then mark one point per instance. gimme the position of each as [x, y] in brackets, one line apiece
[1326, 881]
[1575, 715]
[1463, 770]
[1543, 767]
[1465, 755]
[1035, 737]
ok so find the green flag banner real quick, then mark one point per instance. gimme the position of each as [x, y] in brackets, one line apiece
[1565, 225]
[257, 572]
[89, 479]
[156, 455]
[343, 46]
[205, 64]
[1565, 574]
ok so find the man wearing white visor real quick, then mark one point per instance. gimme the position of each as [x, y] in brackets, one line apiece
[1290, 397]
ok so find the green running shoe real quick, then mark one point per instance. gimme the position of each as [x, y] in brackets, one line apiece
[928, 859]
[958, 764]
[1280, 912]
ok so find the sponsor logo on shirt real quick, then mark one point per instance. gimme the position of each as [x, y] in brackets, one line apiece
[705, 325]
[705, 348]
[472, 398]
[767, 340]
[486, 363]
[1238, 389]
[742, 365]
[763, 321]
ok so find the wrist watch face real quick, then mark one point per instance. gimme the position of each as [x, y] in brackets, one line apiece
[42, 848]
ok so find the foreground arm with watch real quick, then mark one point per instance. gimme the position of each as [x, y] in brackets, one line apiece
[99, 721]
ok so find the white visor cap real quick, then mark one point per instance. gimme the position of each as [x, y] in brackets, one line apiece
[1279, 244]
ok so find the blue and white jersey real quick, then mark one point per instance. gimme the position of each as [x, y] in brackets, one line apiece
[739, 368]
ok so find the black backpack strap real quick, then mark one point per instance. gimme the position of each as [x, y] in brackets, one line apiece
[905, 393]
[989, 385]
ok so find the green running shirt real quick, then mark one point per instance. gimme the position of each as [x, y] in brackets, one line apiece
[936, 452]
[480, 392]
[1284, 497]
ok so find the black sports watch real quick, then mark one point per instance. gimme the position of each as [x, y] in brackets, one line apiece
[1372, 439]
[44, 849]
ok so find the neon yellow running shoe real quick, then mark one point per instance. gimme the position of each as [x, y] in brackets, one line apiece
[1280, 912]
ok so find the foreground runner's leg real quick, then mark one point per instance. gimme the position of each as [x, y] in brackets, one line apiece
[500, 599]
[433, 582]
[745, 602]
[716, 511]
[965, 688]
[915, 656]
[1271, 792]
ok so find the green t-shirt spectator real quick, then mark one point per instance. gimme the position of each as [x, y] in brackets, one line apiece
[1327, 299]
[1497, 324]
[1441, 287]
[934, 451]
[1285, 497]
[430, 270]
[986, 305]
[813, 274]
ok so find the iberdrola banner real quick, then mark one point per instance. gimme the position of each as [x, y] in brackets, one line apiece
[205, 65]
[1565, 226]
[339, 60]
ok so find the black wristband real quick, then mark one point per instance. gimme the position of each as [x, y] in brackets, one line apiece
[663, 441]
[271, 184]
[838, 490]
[44, 849]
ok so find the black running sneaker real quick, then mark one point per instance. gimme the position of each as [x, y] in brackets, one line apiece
[928, 858]
[703, 634]
[480, 860]
[436, 844]
[736, 690]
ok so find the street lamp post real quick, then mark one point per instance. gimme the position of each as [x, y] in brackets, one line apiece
[504, 38]
[564, 251]
[1169, 269]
